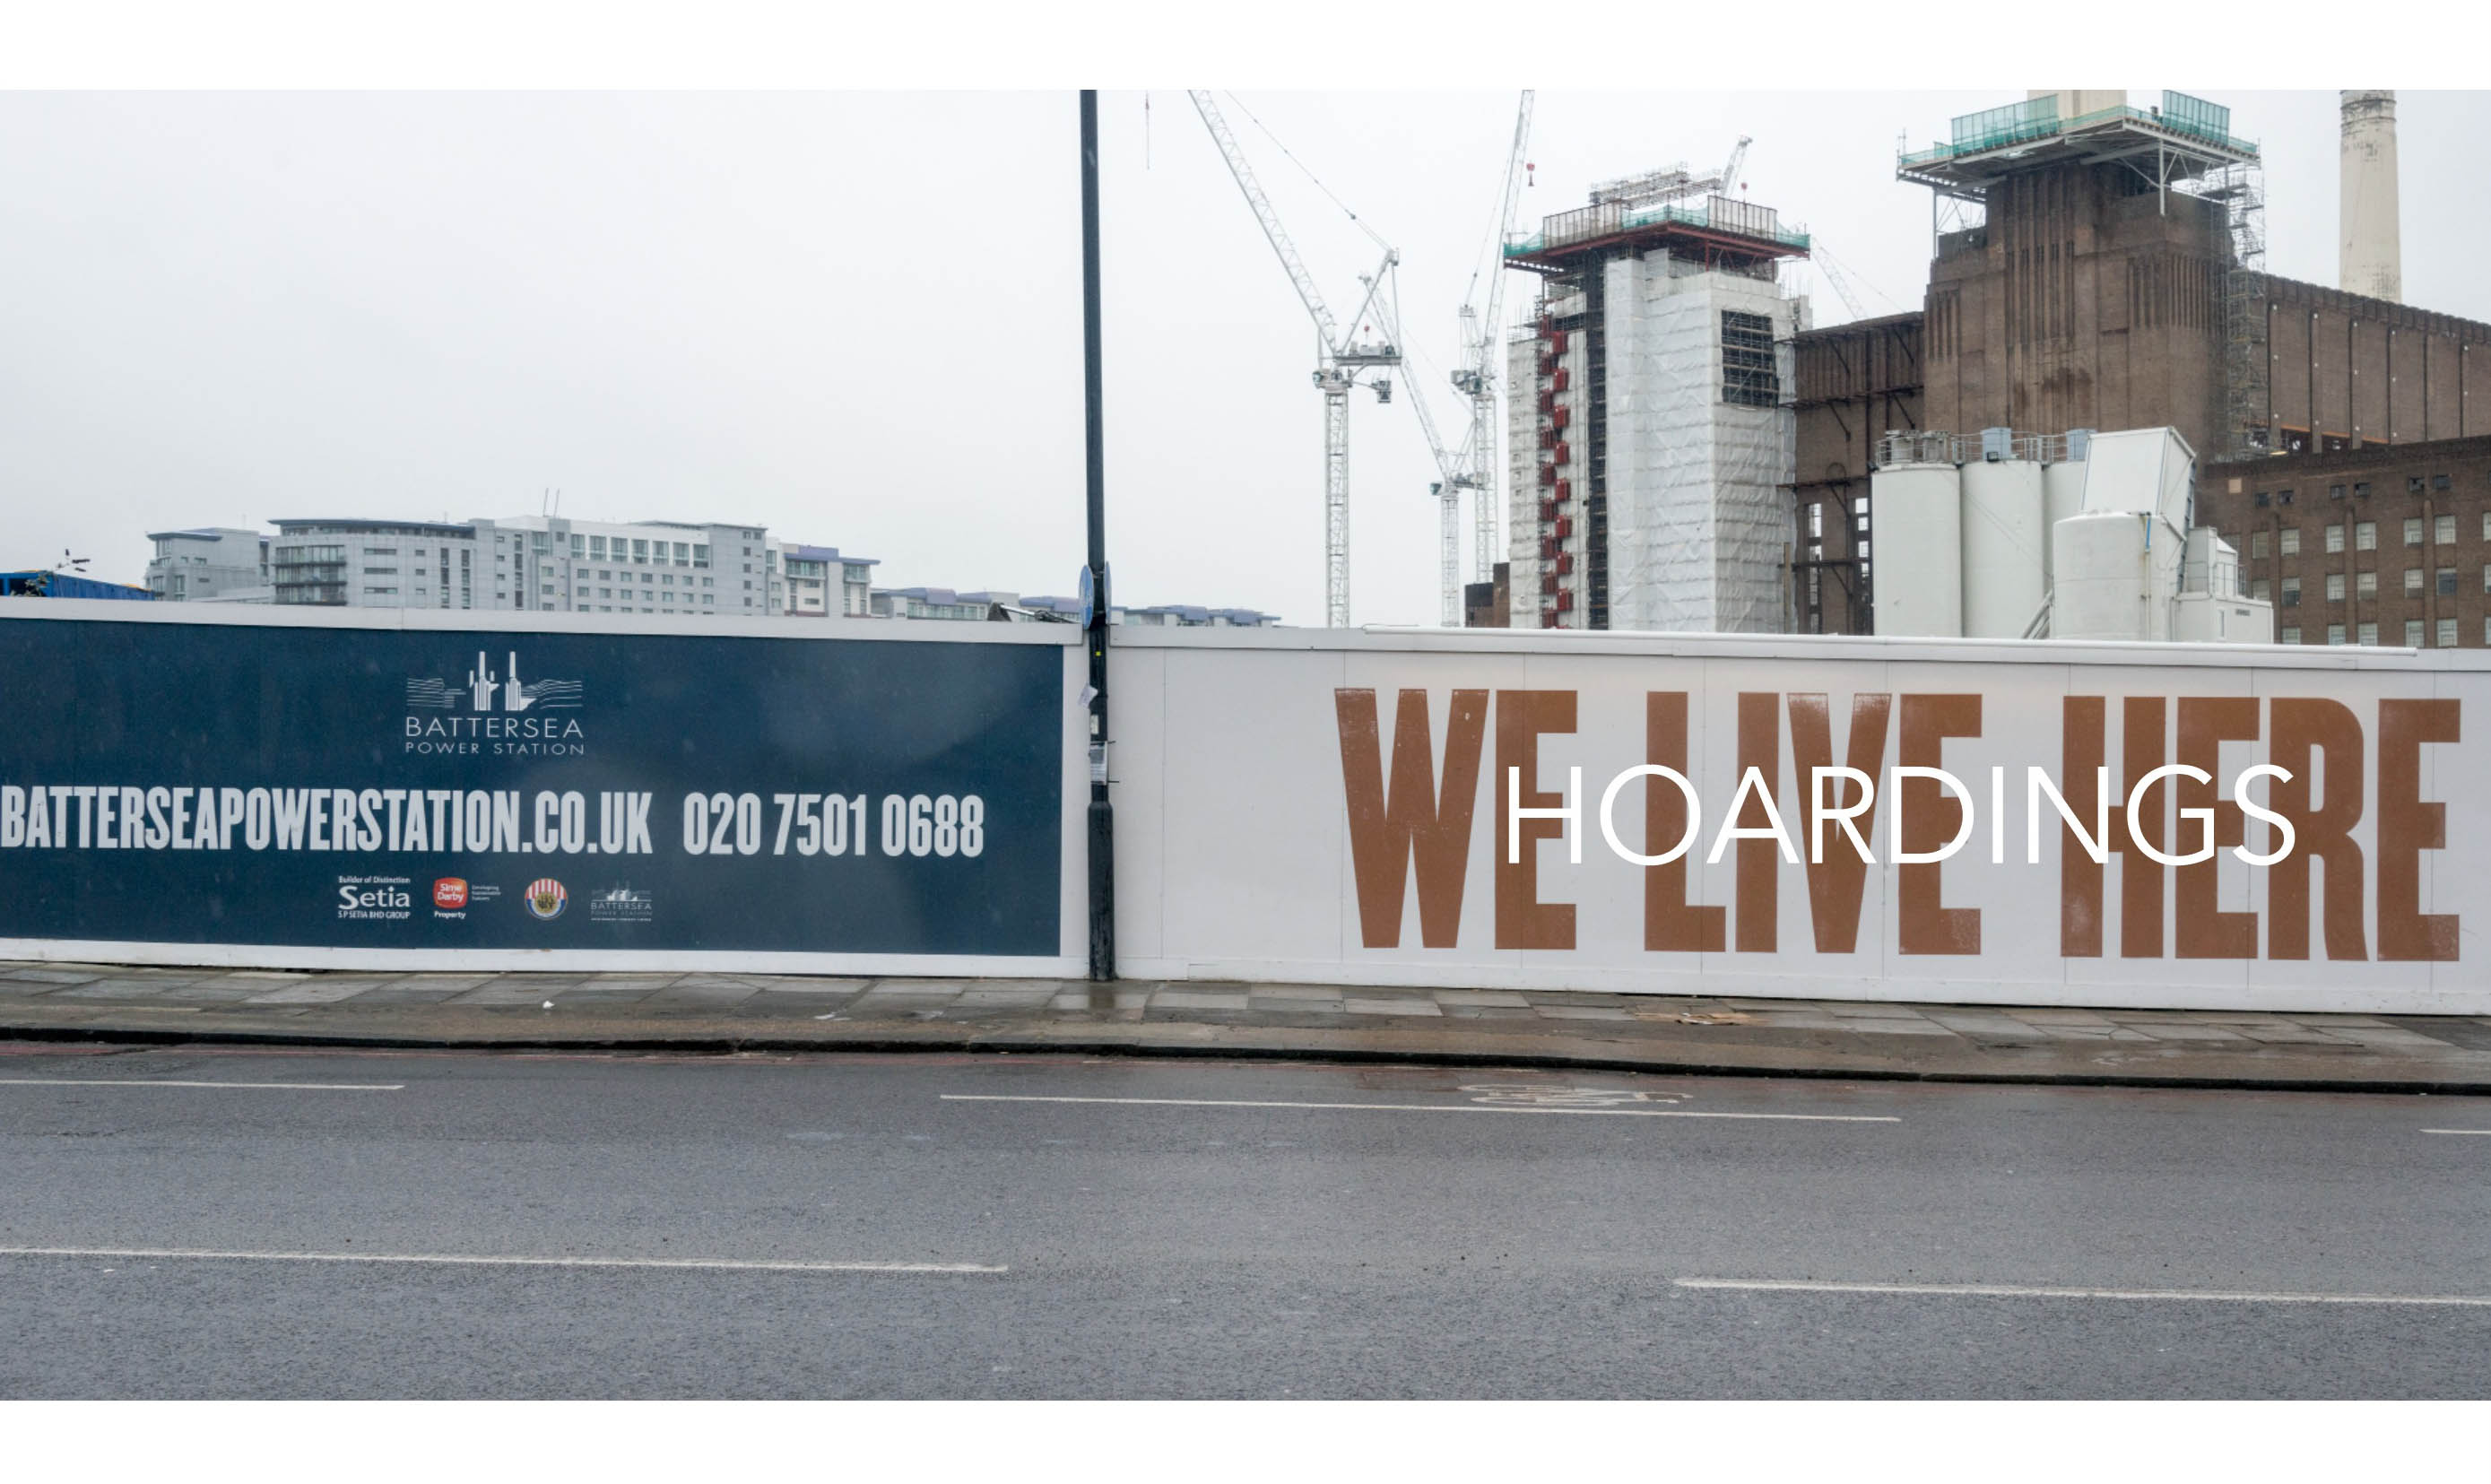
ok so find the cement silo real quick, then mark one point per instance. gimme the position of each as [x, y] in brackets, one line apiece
[1918, 512]
[2102, 578]
[2006, 576]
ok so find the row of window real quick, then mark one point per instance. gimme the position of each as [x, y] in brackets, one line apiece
[2442, 635]
[2360, 489]
[2364, 536]
[2366, 585]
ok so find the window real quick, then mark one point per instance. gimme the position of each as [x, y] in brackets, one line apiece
[639, 551]
[2412, 582]
[2334, 539]
[2291, 634]
[1748, 378]
[682, 553]
[2291, 541]
[380, 571]
[381, 592]
[2292, 591]
[2439, 482]
[2446, 638]
[2283, 497]
[2486, 576]
[2260, 590]
[2335, 587]
[2447, 582]
[578, 544]
[2486, 524]
[2256, 546]
[596, 548]
[2412, 484]
[645, 577]
[2361, 491]
[2335, 491]
[2413, 633]
[2367, 633]
[2412, 530]
[2365, 536]
[700, 555]
[2334, 633]
[2486, 628]
[2259, 499]
[2443, 530]
[2366, 584]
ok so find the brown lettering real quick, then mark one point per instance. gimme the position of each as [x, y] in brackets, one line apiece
[1669, 924]
[2205, 723]
[2408, 826]
[2083, 722]
[1522, 919]
[2140, 875]
[1387, 831]
[1924, 924]
[2305, 727]
[1835, 883]
[1760, 866]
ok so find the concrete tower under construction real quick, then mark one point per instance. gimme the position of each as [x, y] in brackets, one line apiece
[1650, 429]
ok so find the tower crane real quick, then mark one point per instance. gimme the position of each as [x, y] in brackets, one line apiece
[1340, 359]
[1472, 465]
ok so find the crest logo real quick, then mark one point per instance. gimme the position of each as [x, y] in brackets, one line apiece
[546, 899]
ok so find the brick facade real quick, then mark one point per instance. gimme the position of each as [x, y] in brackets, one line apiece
[1855, 382]
[2410, 542]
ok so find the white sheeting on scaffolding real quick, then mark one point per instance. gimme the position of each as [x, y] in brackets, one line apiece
[1698, 517]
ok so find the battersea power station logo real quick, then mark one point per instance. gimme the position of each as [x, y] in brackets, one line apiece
[497, 713]
[2323, 803]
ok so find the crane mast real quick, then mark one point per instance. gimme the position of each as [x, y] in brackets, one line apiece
[1339, 359]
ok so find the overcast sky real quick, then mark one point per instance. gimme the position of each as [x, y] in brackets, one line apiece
[855, 316]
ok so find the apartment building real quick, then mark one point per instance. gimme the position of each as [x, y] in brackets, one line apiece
[210, 564]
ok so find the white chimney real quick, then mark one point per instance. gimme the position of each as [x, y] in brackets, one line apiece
[2373, 259]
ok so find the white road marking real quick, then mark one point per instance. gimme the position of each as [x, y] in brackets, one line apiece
[1580, 1113]
[2020, 1291]
[457, 1259]
[2457, 1130]
[238, 1087]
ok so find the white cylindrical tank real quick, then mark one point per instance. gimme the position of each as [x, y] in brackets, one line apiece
[2063, 495]
[1915, 511]
[2098, 579]
[2005, 548]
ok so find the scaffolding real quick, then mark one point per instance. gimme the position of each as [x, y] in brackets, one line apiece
[2247, 368]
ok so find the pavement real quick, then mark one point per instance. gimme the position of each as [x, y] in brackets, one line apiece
[1726, 1035]
[231, 1221]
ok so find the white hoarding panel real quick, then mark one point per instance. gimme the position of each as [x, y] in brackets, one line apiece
[1507, 811]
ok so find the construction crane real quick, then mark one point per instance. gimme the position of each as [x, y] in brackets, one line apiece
[1672, 183]
[1473, 464]
[1340, 359]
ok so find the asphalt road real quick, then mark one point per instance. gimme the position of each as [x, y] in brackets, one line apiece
[909, 1227]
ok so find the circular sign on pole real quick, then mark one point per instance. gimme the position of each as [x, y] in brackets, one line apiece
[1088, 599]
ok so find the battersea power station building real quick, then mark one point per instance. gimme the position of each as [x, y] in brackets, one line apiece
[2099, 265]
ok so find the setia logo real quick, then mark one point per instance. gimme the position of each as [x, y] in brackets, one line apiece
[496, 712]
[374, 898]
[546, 899]
[622, 904]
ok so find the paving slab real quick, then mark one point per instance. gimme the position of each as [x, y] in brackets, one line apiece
[1730, 1035]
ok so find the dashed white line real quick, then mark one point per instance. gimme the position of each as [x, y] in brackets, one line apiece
[2022, 1291]
[1601, 1112]
[460, 1260]
[227, 1087]
[2457, 1130]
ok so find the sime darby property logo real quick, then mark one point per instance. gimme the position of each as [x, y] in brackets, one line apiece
[494, 712]
[450, 894]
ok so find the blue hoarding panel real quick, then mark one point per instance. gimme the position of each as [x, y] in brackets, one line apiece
[389, 788]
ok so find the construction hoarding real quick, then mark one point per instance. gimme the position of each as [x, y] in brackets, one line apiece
[1876, 819]
[365, 789]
